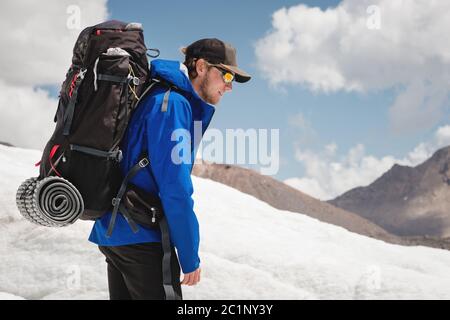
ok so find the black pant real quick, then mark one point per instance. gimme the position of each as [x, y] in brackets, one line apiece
[135, 271]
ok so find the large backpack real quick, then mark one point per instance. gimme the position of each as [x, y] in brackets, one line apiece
[108, 74]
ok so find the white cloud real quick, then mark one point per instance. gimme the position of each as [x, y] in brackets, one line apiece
[36, 51]
[299, 121]
[443, 136]
[327, 175]
[420, 105]
[335, 50]
[27, 116]
[37, 44]
[331, 149]
[309, 186]
[302, 129]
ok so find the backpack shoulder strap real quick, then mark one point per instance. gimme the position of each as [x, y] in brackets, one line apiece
[160, 82]
[165, 101]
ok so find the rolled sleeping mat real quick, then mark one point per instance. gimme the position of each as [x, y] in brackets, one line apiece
[50, 202]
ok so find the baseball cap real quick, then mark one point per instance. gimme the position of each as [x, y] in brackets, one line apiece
[217, 52]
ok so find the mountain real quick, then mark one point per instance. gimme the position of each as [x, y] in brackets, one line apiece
[281, 196]
[248, 250]
[407, 201]
[6, 144]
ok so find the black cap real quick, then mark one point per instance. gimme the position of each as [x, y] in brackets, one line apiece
[217, 52]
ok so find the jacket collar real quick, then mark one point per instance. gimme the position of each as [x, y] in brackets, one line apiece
[176, 73]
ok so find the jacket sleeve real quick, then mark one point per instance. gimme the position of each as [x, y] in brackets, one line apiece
[174, 178]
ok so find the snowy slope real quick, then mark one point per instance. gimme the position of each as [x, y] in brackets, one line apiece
[249, 250]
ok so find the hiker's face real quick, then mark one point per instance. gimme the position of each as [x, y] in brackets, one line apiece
[212, 86]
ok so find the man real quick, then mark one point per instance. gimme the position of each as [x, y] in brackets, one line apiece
[135, 259]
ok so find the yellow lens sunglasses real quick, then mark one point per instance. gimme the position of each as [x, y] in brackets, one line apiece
[227, 76]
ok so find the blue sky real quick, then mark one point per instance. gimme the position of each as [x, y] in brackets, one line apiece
[345, 119]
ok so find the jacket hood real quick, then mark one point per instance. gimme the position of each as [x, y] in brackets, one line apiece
[176, 73]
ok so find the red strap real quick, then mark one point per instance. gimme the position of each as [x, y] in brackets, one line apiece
[52, 154]
[53, 151]
[72, 85]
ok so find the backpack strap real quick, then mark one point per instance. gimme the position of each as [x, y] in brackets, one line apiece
[165, 101]
[167, 257]
[68, 115]
[163, 225]
[167, 250]
[108, 77]
[128, 218]
[161, 82]
[114, 155]
[116, 201]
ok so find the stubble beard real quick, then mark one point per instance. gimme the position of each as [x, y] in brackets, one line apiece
[204, 94]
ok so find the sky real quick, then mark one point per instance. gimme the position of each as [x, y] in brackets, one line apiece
[242, 258]
[352, 86]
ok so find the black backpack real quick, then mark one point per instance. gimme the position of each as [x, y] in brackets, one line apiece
[109, 72]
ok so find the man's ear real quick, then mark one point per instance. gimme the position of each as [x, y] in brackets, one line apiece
[201, 67]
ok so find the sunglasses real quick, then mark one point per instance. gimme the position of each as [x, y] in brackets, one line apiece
[227, 76]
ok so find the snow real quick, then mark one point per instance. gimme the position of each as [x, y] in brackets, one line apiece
[8, 296]
[249, 250]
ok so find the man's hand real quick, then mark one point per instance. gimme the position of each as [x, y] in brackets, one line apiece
[191, 279]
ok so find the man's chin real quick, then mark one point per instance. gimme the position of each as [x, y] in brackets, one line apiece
[213, 101]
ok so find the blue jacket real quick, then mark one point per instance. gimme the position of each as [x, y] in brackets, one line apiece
[150, 129]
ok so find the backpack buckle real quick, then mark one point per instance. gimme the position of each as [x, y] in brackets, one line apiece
[143, 163]
[82, 73]
[115, 201]
[119, 156]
